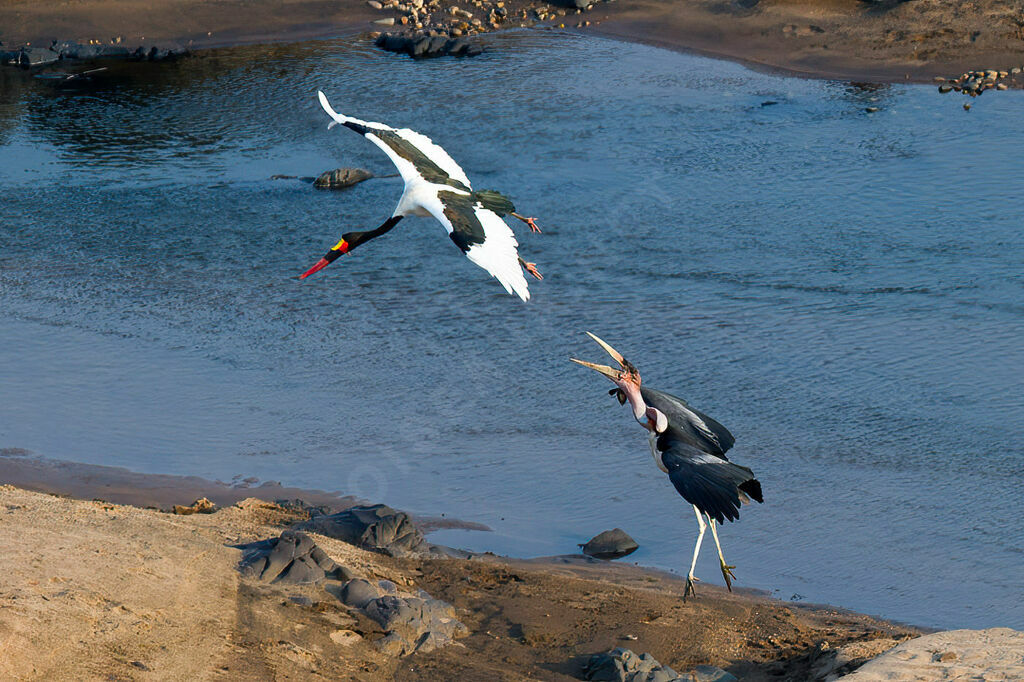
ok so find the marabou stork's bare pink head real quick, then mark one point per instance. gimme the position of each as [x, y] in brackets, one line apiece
[627, 379]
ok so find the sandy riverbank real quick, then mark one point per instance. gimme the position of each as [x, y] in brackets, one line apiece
[882, 41]
[97, 590]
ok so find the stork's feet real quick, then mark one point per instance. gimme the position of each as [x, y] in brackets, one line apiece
[688, 590]
[531, 222]
[728, 575]
[531, 268]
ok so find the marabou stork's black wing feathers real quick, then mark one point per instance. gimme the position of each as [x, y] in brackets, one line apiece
[715, 486]
[690, 425]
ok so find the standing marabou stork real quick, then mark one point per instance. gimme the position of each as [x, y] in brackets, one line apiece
[436, 186]
[690, 447]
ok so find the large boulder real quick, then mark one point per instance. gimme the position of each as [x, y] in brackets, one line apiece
[611, 544]
[376, 527]
[292, 558]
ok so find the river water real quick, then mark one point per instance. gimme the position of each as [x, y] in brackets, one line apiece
[842, 289]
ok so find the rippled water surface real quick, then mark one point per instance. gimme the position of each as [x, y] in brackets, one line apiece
[843, 290]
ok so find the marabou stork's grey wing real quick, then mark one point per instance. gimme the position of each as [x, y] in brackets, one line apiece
[689, 424]
[415, 155]
[714, 485]
[483, 236]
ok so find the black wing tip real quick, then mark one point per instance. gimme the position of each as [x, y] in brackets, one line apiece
[752, 488]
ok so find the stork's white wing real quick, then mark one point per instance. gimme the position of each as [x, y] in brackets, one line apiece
[483, 236]
[414, 154]
[435, 153]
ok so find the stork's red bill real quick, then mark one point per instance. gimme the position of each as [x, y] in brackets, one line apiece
[435, 186]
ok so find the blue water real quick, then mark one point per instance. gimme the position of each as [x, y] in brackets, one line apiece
[842, 289]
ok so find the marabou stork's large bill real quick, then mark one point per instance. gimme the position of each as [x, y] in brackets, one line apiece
[690, 447]
[436, 186]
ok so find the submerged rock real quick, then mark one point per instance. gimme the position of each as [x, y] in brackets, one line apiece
[340, 178]
[291, 558]
[424, 45]
[376, 527]
[622, 665]
[611, 544]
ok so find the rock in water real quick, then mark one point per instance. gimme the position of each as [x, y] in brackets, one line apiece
[622, 665]
[375, 527]
[340, 178]
[291, 558]
[611, 544]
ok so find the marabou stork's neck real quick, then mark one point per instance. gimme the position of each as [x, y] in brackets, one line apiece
[650, 418]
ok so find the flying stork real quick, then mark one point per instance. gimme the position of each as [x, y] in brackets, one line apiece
[436, 186]
[690, 447]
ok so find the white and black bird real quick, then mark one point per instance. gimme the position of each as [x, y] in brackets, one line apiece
[690, 447]
[435, 186]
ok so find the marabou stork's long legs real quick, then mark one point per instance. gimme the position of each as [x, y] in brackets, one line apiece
[531, 222]
[690, 577]
[726, 568]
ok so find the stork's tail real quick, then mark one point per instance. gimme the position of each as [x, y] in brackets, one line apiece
[338, 118]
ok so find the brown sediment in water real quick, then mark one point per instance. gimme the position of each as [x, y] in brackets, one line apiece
[847, 39]
[103, 591]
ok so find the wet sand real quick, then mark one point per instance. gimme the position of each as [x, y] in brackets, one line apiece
[849, 39]
[97, 590]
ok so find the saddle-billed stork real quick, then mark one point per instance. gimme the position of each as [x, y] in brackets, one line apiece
[435, 186]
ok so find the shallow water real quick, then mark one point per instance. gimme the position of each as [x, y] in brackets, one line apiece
[841, 289]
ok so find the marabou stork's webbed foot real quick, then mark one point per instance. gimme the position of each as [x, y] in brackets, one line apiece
[531, 268]
[531, 222]
[688, 590]
[728, 575]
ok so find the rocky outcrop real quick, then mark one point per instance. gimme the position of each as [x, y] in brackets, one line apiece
[411, 623]
[375, 527]
[993, 654]
[425, 45]
[292, 558]
[622, 665]
[28, 57]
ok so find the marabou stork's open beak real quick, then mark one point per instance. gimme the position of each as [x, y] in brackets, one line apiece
[627, 371]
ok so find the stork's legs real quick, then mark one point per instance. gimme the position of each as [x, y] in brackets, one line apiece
[690, 578]
[532, 222]
[531, 268]
[726, 568]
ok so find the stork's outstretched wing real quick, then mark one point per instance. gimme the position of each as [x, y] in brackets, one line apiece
[415, 155]
[690, 425]
[715, 486]
[483, 236]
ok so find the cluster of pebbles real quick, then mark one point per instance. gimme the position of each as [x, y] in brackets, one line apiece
[974, 83]
[434, 28]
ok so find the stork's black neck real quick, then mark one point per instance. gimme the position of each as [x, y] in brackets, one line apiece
[354, 239]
